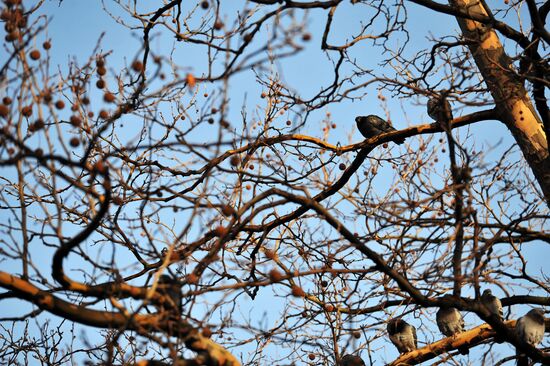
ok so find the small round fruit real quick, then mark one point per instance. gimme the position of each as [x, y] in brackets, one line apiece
[205, 4]
[100, 84]
[311, 356]
[74, 142]
[137, 66]
[76, 121]
[6, 100]
[275, 275]
[26, 111]
[38, 124]
[109, 97]
[60, 104]
[218, 25]
[342, 166]
[103, 114]
[306, 37]
[297, 291]
[35, 55]
[228, 210]
[235, 160]
[46, 45]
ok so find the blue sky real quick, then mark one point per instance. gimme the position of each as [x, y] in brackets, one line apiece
[76, 26]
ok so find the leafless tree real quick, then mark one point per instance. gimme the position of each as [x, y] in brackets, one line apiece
[126, 186]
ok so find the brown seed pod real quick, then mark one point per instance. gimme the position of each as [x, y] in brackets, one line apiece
[103, 114]
[109, 97]
[235, 160]
[137, 66]
[46, 45]
[6, 100]
[60, 104]
[76, 121]
[35, 55]
[26, 111]
[275, 275]
[297, 291]
[100, 84]
[74, 142]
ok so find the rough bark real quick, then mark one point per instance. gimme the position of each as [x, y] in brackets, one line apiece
[510, 96]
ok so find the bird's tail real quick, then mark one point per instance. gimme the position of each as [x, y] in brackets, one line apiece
[522, 359]
[464, 350]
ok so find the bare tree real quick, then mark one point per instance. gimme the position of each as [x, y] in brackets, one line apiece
[159, 210]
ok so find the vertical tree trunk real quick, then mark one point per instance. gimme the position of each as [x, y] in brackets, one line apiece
[508, 91]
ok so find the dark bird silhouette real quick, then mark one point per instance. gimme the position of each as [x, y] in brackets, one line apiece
[440, 109]
[493, 304]
[170, 287]
[402, 335]
[351, 360]
[450, 322]
[372, 125]
[530, 329]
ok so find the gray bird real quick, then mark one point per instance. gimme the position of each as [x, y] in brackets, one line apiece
[530, 329]
[493, 304]
[372, 125]
[402, 335]
[440, 109]
[171, 288]
[351, 360]
[450, 322]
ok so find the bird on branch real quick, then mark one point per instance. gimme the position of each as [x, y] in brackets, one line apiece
[439, 109]
[450, 322]
[351, 360]
[170, 288]
[493, 304]
[372, 125]
[530, 329]
[402, 335]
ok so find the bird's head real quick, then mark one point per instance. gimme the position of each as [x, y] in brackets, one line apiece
[486, 292]
[358, 119]
[395, 325]
[537, 314]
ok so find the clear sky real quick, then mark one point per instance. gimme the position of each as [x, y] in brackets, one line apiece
[76, 26]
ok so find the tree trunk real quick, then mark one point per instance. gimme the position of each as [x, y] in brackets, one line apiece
[510, 96]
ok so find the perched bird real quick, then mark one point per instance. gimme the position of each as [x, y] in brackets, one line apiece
[372, 125]
[530, 330]
[402, 335]
[493, 304]
[440, 109]
[170, 287]
[450, 322]
[351, 360]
